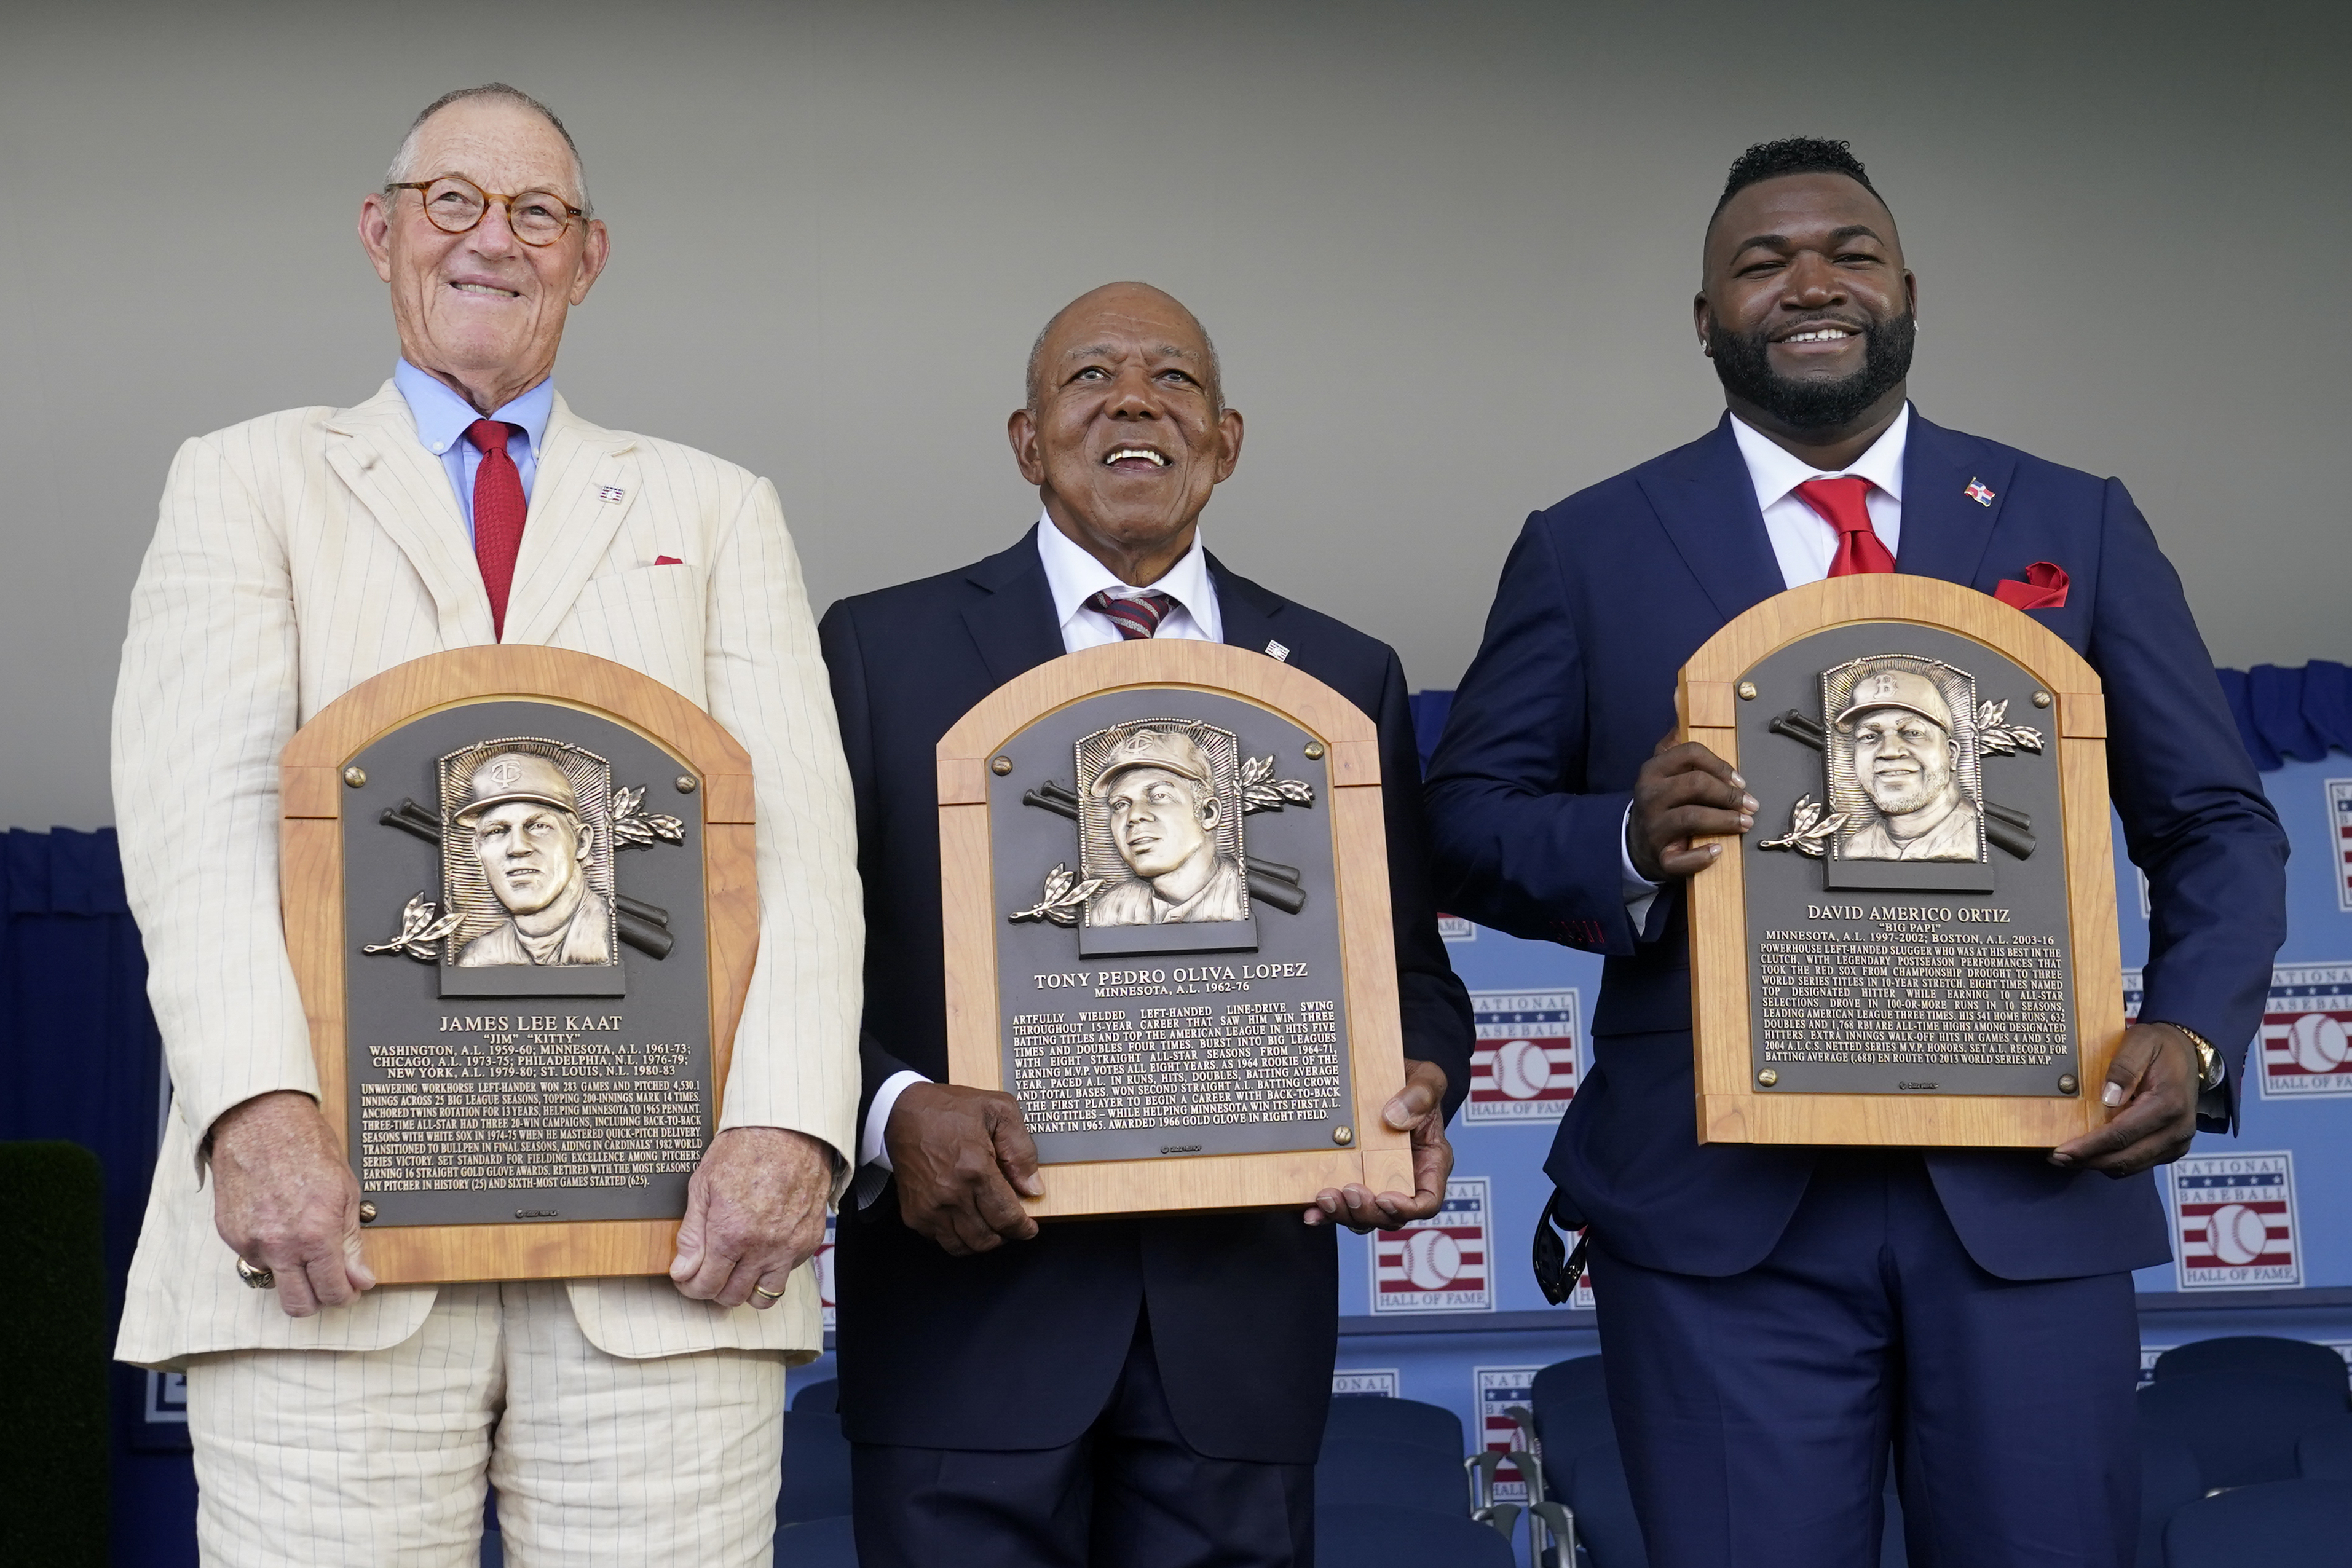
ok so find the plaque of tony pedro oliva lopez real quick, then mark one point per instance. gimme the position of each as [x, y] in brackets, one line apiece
[520, 905]
[1164, 876]
[1916, 943]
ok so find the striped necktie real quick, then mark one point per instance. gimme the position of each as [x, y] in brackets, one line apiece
[1136, 618]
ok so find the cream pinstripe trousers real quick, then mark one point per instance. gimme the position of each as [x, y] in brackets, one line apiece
[359, 1458]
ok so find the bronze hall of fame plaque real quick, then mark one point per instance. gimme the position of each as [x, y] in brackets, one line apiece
[504, 925]
[1917, 943]
[1167, 931]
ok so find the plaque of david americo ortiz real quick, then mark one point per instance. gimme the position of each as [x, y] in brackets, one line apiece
[1165, 890]
[521, 906]
[1917, 943]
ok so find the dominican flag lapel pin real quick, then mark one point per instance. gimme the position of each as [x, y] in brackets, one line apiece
[1978, 493]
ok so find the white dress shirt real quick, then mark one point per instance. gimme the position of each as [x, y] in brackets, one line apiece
[1073, 577]
[1804, 544]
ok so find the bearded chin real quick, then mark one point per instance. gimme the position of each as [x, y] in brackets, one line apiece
[1740, 363]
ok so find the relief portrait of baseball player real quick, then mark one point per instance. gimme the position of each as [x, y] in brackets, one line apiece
[1906, 761]
[533, 849]
[1161, 798]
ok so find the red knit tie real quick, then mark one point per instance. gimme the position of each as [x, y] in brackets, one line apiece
[497, 513]
[1137, 618]
[1840, 504]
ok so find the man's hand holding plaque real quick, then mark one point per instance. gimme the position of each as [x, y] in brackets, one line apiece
[285, 1200]
[1419, 1109]
[1682, 793]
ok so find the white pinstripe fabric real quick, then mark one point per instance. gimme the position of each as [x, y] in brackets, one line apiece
[366, 1458]
[296, 556]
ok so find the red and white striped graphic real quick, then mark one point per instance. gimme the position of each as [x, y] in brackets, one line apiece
[2234, 1222]
[2339, 812]
[1524, 1068]
[1438, 1264]
[2306, 1039]
[1500, 1390]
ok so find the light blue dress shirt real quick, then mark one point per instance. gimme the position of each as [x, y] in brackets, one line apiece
[442, 417]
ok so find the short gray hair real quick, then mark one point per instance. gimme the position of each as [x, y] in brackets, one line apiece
[403, 162]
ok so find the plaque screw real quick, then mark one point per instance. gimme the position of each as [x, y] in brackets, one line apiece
[1343, 1135]
[1767, 1078]
[685, 782]
[1001, 765]
[367, 1212]
[2042, 699]
[2066, 1085]
[354, 776]
[1314, 749]
[1747, 691]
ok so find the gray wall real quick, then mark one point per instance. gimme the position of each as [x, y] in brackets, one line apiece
[1447, 250]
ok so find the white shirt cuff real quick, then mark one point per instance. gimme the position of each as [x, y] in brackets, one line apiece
[1640, 891]
[873, 1148]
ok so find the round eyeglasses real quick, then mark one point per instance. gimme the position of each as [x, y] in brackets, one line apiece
[455, 204]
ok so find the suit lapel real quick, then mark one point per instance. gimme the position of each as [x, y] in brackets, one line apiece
[586, 483]
[1014, 626]
[1246, 609]
[374, 450]
[1708, 505]
[1945, 530]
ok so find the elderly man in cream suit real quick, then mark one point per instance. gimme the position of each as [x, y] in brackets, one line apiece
[622, 1420]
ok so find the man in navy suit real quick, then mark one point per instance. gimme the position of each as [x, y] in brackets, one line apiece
[1774, 1317]
[1133, 1392]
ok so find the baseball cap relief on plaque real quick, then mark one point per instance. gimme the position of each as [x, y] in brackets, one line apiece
[509, 954]
[1172, 864]
[1914, 944]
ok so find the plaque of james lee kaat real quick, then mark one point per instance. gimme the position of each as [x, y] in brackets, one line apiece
[1917, 943]
[519, 904]
[1165, 885]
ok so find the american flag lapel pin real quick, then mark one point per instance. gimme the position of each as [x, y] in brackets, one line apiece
[1978, 493]
[611, 495]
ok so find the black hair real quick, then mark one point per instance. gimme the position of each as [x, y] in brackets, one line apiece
[1793, 155]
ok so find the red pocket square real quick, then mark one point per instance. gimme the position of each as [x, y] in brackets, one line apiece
[2045, 588]
[673, 561]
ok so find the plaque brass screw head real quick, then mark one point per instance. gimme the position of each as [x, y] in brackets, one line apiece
[2042, 699]
[354, 776]
[1343, 1135]
[1767, 1078]
[1314, 749]
[1000, 766]
[685, 782]
[367, 1212]
[1747, 691]
[2066, 1083]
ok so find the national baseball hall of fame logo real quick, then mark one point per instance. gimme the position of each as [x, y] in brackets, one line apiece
[1524, 1068]
[2305, 1048]
[1501, 1390]
[1439, 1264]
[2339, 818]
[2234, 1222]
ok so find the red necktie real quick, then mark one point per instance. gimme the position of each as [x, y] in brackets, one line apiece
[1137, 618]
[1840, 503]
[497, 515]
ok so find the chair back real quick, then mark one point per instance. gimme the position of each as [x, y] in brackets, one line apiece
[2324, 1453]
[817, 1468]
[2265, 1353]
[2277, 1524]
[1396, 1421]
[1357, 1470]
[1567, 1429]
[817, 1544]
[1369, 1535]
[2242, 1425]
[820, 1398]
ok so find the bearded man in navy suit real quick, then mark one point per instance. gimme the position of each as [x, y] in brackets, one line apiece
[1775, 1317]
[1137, 1392]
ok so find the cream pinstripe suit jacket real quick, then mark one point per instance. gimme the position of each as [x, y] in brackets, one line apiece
[296, 556]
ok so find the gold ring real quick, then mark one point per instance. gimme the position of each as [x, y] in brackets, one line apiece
[763, 1291]
[259, 1279]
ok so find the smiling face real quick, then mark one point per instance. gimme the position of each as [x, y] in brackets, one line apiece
[531, 852]
[1807, 307]
[1903, 761]
[1126, 435]
[1160, 820]
[481, 310]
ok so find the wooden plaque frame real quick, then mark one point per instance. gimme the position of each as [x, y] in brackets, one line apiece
[1380, 1158]
[1731, 1109]
[311, 896]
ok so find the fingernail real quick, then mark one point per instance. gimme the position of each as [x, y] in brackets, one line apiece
[1738, 782]
[1746, 822]
[2112, 1095]
[1713, 850]
[1748, 803]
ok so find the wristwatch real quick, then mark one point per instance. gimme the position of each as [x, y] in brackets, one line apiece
[2210, 1068]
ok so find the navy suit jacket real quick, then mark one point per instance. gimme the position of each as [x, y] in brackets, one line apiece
[1019, 1348]
[1605, 598]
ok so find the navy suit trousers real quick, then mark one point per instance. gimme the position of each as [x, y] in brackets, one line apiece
[1129, 1494]
[1756, 1410]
